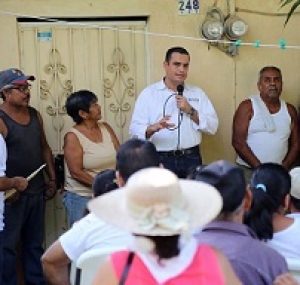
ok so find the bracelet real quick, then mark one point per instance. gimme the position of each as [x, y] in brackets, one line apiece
[191, 112]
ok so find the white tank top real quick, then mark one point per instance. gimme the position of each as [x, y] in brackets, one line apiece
[268, 146]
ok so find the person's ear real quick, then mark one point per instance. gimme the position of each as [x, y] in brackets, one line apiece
[258, 86]
[82, 114]
[5, 93]
[287, 201]
[120, 180]
[165, 64]
[248, 199]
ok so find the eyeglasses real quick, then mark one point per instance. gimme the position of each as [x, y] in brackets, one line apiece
[22, 88]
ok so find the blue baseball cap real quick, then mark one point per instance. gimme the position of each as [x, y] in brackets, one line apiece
[13, 76]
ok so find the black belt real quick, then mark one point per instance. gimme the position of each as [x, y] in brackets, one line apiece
[180, 152]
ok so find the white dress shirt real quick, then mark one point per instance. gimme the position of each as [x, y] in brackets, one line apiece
[157, 100]
[91, 233]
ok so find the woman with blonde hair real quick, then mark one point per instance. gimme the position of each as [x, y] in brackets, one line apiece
[161, 211]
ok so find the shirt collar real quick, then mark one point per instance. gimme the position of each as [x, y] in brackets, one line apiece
[166, 269]
[162, 86]
[233, 227]
[294, 215]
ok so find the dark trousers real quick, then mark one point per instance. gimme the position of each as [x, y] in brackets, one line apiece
[1, 254]
[24, 220]
[180, 165]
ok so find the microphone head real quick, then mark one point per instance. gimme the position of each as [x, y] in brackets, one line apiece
[180, 89]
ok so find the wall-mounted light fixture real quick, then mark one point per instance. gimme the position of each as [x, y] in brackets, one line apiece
[215, 26]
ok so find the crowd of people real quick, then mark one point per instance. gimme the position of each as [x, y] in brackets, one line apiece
[172, 219]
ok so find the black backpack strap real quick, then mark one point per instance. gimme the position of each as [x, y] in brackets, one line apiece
[126, 268]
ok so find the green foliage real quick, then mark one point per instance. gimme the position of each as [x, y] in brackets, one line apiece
[283, 3]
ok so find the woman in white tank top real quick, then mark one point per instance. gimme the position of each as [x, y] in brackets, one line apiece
[89, 147]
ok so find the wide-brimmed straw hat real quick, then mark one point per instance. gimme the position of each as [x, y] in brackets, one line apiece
[155, 202]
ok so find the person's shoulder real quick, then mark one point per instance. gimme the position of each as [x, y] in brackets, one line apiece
[261, 249]
[32, 110]
[194, 88]
[295, 216]
[291, 108]
[105, 125]
[71, 134]
[35, 113]
[92, 218]
[91, 223]
[246, 102]
[159, 85]
[245, 105]
[119, 258]
[84, 226]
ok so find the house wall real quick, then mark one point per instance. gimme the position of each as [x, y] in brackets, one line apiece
[227, 80]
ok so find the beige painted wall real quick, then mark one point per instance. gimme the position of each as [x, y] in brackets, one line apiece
[226, 80]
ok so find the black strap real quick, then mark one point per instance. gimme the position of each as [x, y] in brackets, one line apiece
[126, 268]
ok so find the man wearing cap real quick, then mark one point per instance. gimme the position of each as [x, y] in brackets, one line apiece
[253, 261]
[295, 193]
[27, 148]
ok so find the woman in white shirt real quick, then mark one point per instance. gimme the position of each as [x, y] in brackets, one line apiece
[271, 185]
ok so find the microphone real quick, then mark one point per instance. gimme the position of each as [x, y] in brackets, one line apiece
[180, 89]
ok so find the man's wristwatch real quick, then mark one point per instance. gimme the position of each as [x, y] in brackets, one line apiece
[191, 112]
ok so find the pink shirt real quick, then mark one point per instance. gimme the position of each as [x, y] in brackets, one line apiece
[204, 270]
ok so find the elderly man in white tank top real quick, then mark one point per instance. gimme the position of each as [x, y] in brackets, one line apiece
[265, 126]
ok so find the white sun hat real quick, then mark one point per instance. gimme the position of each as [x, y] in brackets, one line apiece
[295, 175]
[155, 202]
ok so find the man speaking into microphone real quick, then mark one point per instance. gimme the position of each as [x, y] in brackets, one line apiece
[173, 114]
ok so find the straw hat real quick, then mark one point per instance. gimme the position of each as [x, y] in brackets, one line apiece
[295, 175]
[155, 202]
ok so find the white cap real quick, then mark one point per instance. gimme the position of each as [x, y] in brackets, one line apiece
[295, 175]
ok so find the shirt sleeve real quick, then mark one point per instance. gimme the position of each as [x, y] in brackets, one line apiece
[3, 156]
[140, 117]
[208, 119]
[74, 240]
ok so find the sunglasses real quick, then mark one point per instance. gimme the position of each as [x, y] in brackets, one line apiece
[22, 88]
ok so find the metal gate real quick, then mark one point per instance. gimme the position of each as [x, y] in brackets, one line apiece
[108, 58]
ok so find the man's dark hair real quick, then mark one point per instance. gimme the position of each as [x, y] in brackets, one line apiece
[136, 154]
[79, 100]
[170, 51]
[104, 182]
